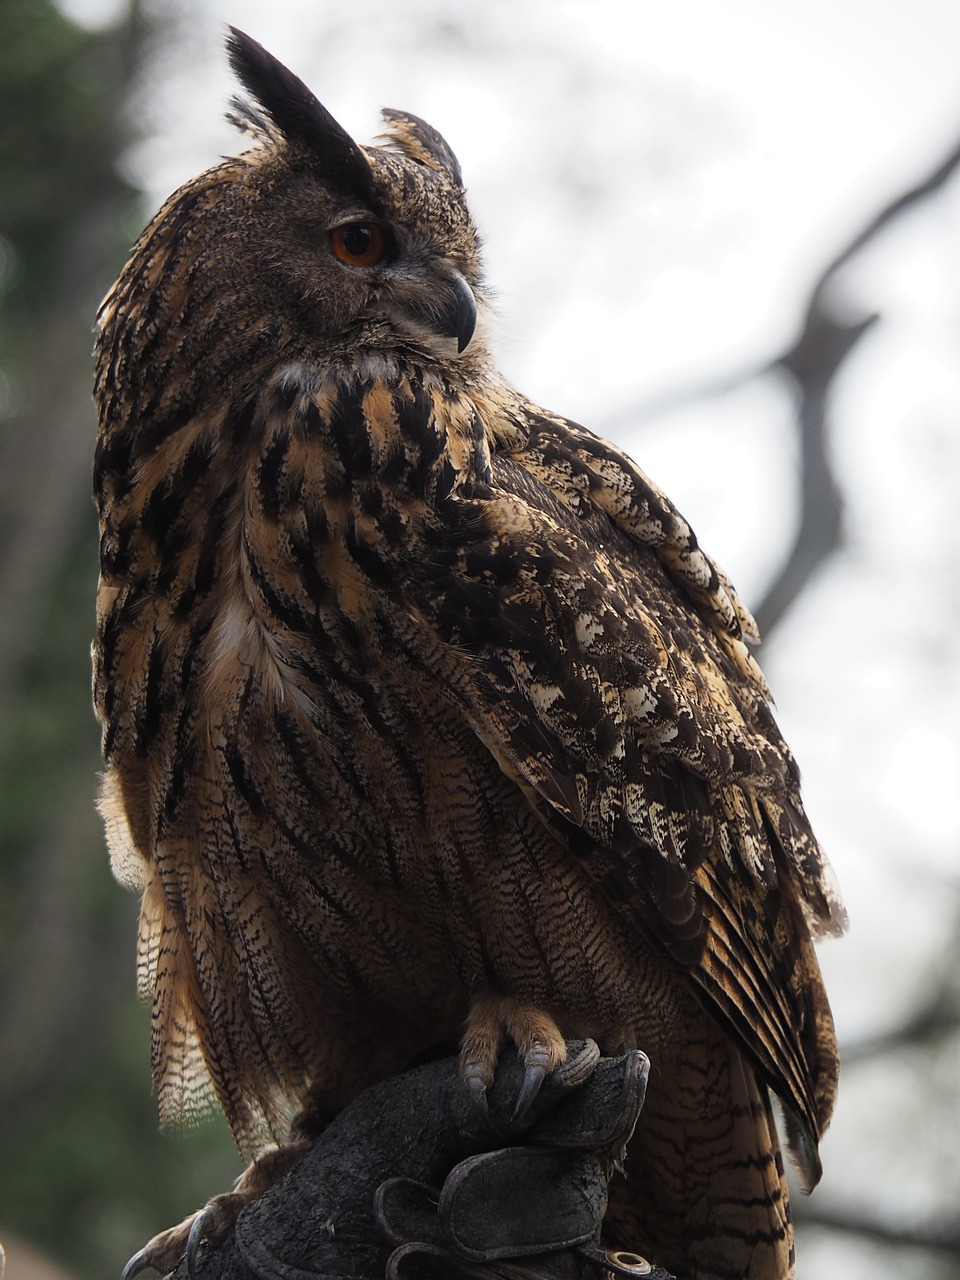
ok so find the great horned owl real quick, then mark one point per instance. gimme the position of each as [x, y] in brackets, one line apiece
[422, 708]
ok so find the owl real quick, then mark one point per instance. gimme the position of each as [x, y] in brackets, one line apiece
[425, 717]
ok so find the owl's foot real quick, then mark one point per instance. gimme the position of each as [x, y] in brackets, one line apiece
[216, 1218]
[493, 1020]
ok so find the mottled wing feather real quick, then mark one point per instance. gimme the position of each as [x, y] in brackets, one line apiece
[598, 654]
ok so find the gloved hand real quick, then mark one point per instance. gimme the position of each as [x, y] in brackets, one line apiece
[411, 1182]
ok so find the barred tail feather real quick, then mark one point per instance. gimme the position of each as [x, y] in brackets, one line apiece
[166, 976]
[704, 1193]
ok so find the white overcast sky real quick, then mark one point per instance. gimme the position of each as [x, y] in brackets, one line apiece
[658, 183]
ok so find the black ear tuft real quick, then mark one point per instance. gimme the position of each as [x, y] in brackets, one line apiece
[421, 142]
[300, 117]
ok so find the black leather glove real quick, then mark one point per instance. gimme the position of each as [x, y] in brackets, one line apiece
[411, 1182]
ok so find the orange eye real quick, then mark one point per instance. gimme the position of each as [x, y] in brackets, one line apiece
[358, 244]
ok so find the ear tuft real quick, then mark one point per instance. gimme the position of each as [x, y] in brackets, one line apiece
[421, 142]
[300, 118]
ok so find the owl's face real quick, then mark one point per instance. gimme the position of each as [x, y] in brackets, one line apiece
[393, 260]
[311, 247]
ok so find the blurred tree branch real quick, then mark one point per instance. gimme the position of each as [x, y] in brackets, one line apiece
[942, 1236]
[812, 363]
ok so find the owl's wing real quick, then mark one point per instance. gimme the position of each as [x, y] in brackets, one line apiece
[600, 657]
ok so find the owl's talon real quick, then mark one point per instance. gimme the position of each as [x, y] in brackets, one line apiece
[478, 1096]
[533, 1078]
[199, 1230]
[164, 1251]
[139, 1262]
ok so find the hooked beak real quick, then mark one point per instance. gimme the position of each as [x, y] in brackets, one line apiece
[459, 316]
[436, 305]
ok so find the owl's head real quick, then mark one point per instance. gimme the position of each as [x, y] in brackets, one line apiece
[306, 249]
[372, 244]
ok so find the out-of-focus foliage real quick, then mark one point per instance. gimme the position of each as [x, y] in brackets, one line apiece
[58, 90]
[83, 1170]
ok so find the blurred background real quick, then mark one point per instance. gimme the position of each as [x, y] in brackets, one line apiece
[725, 233]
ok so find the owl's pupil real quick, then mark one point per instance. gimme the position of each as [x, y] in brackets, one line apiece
[356, 240]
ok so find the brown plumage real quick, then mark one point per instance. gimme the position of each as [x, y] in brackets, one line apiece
[422, 706]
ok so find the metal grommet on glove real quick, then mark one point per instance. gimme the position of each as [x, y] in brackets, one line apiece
[622, 1263]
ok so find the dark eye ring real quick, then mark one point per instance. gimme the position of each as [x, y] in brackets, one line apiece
[358, 244]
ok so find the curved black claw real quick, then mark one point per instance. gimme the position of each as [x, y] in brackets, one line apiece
[140, 1261]
[533, 1078]
[478, 1096]
[199, 1229]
